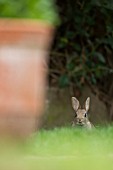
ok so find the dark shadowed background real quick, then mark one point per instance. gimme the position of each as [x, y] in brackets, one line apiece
[81, 62]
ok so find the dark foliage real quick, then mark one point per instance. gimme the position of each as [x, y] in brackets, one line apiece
[83, 47]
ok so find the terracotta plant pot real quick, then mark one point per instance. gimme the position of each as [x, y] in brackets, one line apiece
[24, 46]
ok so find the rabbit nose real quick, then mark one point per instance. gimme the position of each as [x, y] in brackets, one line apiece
[79, 120]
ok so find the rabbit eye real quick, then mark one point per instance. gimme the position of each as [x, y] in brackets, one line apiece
[75, 115]
[85, 115]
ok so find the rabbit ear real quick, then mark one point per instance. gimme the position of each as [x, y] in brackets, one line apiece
[75, 103]
[87, 103]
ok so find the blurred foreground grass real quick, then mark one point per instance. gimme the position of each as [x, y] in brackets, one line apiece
[60, 149]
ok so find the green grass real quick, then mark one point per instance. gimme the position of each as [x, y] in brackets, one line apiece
[63, 149]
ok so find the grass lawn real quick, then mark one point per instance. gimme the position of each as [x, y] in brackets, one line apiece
[61, 149]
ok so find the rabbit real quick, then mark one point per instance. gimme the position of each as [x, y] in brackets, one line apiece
[81, 115]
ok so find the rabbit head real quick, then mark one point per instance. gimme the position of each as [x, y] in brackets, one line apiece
[81, 117]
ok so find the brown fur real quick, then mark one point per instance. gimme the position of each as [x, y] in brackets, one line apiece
[81, 118]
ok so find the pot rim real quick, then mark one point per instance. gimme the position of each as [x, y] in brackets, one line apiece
[25, 25]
